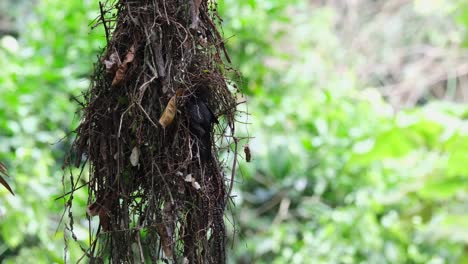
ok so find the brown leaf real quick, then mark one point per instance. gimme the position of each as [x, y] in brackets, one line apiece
[169, 113]
[180, 92]
[104, 220]
[122, 70]
[248, 155]
[166, 229]
[4, 171]
[165, 234]
[102, 207]
[93, 209]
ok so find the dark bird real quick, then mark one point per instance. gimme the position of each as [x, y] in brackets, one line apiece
[200, 120]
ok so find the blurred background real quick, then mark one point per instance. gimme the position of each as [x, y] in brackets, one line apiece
[357, 108]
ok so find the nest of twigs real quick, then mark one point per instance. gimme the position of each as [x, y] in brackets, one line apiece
[158, 102]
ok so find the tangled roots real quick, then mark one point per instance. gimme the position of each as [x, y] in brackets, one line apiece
[159, 110]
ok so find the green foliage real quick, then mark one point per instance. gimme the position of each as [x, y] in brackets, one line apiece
[337, 175]
[40, 74]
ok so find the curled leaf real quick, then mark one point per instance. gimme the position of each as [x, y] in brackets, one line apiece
[165, 234]
[135, 156]
[196, 185]
[120, 74]
[93, 209]
[169, 113]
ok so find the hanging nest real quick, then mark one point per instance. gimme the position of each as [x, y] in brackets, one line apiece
[158, 102]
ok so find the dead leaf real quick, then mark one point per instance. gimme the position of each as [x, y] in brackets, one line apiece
[166, 239]
[188, 178]
[122, 70]
[4, 171]
[112, 64]
[102, 207]
[248, 155]
[179, 92]
[196, 185]
[104, 220]
[169, 113]
[93, 209]
[134, 157]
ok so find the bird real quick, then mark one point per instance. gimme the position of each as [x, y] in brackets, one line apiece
[201, 117]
